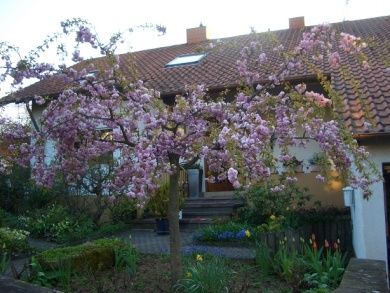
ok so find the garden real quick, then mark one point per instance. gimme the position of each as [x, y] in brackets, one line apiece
[287, 257]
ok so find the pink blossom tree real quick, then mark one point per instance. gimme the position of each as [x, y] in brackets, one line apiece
[111, 111]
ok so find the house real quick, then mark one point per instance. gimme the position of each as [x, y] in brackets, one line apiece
[171, 69]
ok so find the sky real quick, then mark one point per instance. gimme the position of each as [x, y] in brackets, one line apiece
[25, 23]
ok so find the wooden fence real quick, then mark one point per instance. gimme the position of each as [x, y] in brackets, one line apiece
[338, 230]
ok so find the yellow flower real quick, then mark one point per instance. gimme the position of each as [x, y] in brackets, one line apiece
[189, 275]
[248, 233]
[199, 257]
[272, 217]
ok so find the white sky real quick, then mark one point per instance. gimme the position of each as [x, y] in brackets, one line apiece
[25, 23]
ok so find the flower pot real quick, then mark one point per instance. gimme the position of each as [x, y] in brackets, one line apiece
[162, 226]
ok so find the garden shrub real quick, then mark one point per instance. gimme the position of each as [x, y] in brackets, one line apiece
[55, 223]
[261, 202]
[19, 193]
[7, 219]
[123, 210]
[95, 255]
[13, 240]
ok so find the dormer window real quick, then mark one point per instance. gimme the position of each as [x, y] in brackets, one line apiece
[189, 59]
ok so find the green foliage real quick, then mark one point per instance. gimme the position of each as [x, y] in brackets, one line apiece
[261, 202]
[123, 210]
[326, 268]
[206, 274]
[13, 240]
[321, 160]
[127, 258]
[96, 255]
[50, 278]
[158, 203]
[7, 219]
[288, 265]
[19, 193]
[306, 267]
[264, 259]
[55, 223]
[273, 224]
[4, 262]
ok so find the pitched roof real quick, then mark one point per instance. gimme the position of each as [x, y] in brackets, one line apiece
[218, 70]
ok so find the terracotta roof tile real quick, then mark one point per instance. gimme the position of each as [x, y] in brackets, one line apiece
[218, 70]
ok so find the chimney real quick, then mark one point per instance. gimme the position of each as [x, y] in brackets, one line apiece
[297, 22]
[196, 34]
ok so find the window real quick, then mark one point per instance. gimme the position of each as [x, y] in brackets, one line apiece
[185, 60]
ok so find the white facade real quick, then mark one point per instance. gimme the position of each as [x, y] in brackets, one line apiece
[369, 216]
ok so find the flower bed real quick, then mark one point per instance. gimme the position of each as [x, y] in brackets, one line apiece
[13, 241]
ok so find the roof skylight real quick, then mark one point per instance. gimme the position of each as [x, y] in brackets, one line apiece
[185, 60]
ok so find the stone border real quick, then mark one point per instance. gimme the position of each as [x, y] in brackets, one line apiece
[364, 275]
[11, 285]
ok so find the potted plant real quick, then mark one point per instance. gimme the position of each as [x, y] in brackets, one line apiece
[158, 204]
[195, 174]
[293, 164]
[320, 162]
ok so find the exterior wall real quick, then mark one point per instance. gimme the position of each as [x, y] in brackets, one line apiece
[49, 146]
[329, 194]
[370, 218]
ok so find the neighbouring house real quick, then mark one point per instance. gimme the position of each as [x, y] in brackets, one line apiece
[171, 69]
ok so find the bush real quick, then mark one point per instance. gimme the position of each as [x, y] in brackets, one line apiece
[19, 193]
[55, 223]
[261, 202]
[123, 210]
[13, 241]
[95, 255]
[206, 274]
[7, 219]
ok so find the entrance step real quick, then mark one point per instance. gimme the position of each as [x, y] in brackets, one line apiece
[211, 207]
[188, 224]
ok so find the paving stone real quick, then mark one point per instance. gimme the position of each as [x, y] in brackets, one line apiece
[362, 275]
[9, 285]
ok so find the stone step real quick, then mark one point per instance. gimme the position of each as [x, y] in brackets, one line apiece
[213, 201]
[210, 210]
[223, 204]
[206, 214]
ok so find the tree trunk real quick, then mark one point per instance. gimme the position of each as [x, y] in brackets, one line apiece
[173, 217]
